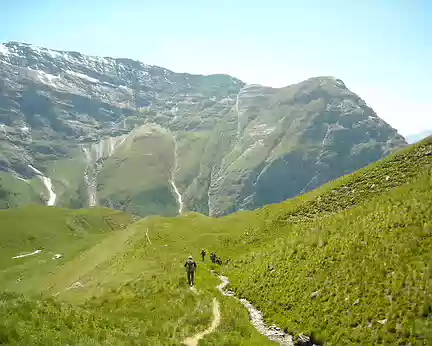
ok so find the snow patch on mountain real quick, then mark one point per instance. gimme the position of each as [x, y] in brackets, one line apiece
[83, 76]
[28, 254]
[44, 77]
[4, 50]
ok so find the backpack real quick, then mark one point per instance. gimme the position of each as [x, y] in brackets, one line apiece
[190, 265]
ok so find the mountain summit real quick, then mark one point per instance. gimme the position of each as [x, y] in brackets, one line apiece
[79, 130]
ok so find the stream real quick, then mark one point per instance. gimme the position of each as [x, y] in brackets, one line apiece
[273, 333]
[172, 180]
[48, 185]
[94, 154]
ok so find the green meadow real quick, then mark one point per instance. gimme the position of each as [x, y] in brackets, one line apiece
[348, 263]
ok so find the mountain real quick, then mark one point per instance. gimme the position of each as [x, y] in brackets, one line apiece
[414, 138]
[81, 131]
[345, 264]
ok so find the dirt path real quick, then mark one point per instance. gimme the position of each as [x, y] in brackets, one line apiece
[273, 333]
[193, 341]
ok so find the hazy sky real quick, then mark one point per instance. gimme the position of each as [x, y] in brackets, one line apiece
[381, 49]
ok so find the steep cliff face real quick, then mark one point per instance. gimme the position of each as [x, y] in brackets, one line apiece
[294, 139]
[119, 133]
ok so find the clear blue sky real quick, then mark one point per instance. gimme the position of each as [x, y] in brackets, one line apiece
[382, 49]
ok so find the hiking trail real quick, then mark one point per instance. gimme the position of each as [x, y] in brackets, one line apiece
[273, 333]
[193, 341]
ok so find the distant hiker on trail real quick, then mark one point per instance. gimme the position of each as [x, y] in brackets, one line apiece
[190, 266]
[213, 257]
[203, 253]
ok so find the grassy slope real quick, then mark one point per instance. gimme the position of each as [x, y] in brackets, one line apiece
[67, 177]
[52, 230]
[190, 149]
[377, 253]
[317, 242]
[136, 178]
[327, 241]
[15, 192]
[138, 265]
[134, 290]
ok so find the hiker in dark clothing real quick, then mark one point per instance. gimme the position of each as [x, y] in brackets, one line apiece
[203, 253]
[190, 266]
[213, 257]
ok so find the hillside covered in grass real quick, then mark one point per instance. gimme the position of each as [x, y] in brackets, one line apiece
[129, 288]
[52, 231]
[348, 263]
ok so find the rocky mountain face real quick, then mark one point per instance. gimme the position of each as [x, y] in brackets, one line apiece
[78, 131]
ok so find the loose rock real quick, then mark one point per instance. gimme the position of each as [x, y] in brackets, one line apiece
[76, 285]
[315, 294]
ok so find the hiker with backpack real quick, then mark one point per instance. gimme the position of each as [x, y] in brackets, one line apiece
[213, 257]
[203, 253]
[190, 266]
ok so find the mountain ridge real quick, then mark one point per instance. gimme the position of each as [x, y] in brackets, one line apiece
[231, 145]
